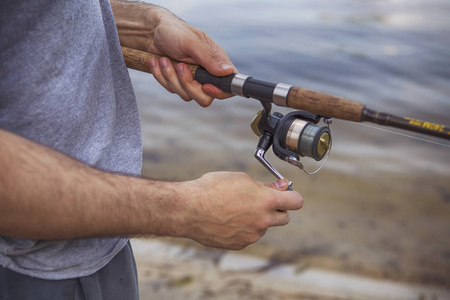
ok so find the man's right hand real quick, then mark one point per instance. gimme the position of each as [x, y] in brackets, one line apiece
[154, 29]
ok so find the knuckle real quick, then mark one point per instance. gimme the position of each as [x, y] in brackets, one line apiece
[167, 72]
[297, 202]
[272, 202]
[204, 102]
[235, 247]
[221, 94]
[300, 204]
[287, 218]
[186, 98]
[186, 82]
[254, 238]
[243, 175]
[265, 223]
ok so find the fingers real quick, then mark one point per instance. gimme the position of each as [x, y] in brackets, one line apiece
[281, 204]
[280, 184]
[287, 200]
[192, 87]
[280, 218]
[284, 200]
[202, 51]
[179, 80]
[165, 73]
[215, 92]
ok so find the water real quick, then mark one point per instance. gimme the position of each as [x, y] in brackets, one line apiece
[382, 203]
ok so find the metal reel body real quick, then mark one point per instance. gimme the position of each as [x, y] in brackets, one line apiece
[291, 136]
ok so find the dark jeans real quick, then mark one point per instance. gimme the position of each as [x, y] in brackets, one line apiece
[117, 280]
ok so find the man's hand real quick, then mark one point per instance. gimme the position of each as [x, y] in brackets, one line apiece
[232, 210]
[154, 29]
[182, 42]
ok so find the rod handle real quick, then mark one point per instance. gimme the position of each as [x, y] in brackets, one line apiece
[223, 83]
[324, 104]
[140, 60]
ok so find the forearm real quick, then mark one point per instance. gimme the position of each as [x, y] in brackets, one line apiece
[48, 195]
[136, 22]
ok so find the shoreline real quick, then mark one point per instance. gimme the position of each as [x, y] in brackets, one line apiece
[169, 270]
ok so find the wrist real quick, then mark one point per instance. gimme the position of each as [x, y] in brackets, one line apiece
[162, 208]
[188, 206]
[136, 22]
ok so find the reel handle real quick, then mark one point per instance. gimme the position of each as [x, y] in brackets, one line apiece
[264, 143]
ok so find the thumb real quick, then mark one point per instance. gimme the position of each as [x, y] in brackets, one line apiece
[213, 58]
[280, 184]
[215, 64]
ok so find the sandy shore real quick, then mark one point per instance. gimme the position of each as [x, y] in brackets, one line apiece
[173, 271]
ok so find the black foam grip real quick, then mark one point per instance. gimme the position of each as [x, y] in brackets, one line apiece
[223, 83]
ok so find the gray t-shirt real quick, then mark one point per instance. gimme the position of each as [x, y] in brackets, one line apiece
[64, 84]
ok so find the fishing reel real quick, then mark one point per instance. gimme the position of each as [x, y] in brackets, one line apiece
[294, 135]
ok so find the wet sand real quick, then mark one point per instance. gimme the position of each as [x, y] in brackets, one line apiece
[175, 271]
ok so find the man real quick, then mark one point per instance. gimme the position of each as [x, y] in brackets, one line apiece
[70, 151]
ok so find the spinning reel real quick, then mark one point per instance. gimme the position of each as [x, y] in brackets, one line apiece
[291, 136]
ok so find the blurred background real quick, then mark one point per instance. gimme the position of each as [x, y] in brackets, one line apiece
[380, 208]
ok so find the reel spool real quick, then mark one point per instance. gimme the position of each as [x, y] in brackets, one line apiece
[298, 132]
[294, 135]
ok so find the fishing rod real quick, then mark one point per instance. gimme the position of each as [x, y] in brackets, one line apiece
[296, 133]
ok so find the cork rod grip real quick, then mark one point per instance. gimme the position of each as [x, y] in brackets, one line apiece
[324, 104]
[140, 60]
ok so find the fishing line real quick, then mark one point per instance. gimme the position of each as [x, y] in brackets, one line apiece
[402, 134]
